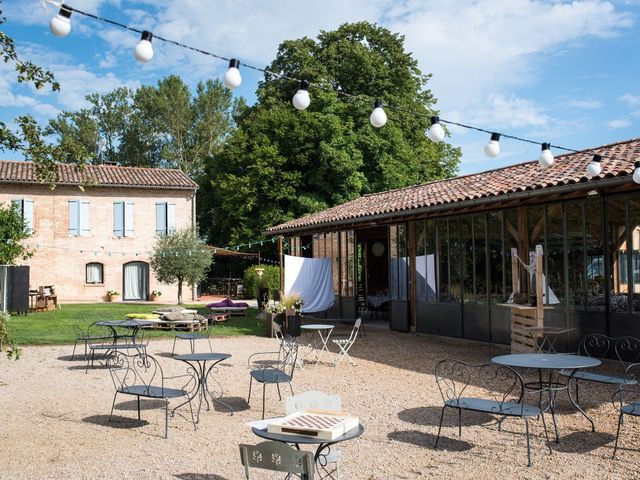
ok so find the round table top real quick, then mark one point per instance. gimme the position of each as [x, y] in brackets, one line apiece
[546, 361]
[278, 437]
[317, 326]
[202, 357]
[125, 323]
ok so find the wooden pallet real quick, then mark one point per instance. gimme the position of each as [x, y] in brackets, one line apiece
[524, 316]
[184, 325]
[215, 318]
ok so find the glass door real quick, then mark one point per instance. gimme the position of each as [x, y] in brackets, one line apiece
[136, 281]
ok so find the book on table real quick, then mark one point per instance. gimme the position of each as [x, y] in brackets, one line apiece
[323, 425]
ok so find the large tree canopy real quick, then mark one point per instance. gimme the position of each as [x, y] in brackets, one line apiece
[154, 126]
[281, 163]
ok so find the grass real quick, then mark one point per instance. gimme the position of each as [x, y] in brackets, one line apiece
[55, 327]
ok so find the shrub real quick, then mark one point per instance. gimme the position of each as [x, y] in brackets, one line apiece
[5, 338]
[270, 279]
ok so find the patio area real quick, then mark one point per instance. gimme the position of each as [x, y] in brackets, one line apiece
[54, 419]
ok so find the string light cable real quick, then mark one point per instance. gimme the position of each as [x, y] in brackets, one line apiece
[60, 26]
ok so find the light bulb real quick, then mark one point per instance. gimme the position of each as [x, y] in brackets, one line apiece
[60, 25]
[232, 78]
[492, 149]
[636, 172]
[546, 157]
[301, 99]
[144, 50]
[378, 117]
[594, 168]
[436, 132]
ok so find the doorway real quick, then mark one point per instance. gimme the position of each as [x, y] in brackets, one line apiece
[135, 279]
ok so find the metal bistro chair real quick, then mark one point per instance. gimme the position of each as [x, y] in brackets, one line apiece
[345, 344]
[316, 400]
[106, 340]
[278, 457]
[274, 371]
[141, 375]
[82, 335]
[192, 337]
[502, 394]
[627, 398]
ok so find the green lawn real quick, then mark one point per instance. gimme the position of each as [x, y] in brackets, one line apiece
[55, 327]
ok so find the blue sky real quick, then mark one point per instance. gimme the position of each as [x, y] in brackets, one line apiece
[563, 72]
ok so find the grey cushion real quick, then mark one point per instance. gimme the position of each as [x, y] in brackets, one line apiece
[180, 317]
[169, 309]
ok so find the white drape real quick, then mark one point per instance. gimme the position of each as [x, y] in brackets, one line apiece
[132, 282]
[312, 279]
[94, 273]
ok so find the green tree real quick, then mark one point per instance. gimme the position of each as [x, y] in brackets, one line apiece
[181, 257]
[13, 229]
[281, 164]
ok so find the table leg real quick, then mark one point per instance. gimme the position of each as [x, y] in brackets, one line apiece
[206, 390]
[320, 458]
[575, 403]
[552, 404]
[324, 348]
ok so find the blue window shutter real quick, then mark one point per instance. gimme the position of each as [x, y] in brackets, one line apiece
[161, 218]
[74, 217]
[171, 217]
[27, 214]
[84, 219]
[128, 219]
[17, 204]
[118, 221]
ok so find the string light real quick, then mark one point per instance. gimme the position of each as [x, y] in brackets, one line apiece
[594, 168]
[636, 172]
[60, 25]
[301, 99]
[144, 50]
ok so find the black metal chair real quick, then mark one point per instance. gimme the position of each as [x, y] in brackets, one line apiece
[105, 340]
[192, 337]
[627, 398]
[274, 370]
[141, 375]
[82, 335]
[502, 394]
[278, 457]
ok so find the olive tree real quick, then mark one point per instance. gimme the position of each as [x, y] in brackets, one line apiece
[181, 257]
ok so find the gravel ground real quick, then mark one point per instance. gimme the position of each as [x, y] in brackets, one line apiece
[54, 420]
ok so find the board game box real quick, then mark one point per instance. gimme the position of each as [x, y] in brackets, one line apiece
[314, 423]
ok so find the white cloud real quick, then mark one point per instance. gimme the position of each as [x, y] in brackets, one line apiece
[630, 100]
[618, 123]
[584, 104]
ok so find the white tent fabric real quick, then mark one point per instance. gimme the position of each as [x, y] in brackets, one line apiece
[312, 279]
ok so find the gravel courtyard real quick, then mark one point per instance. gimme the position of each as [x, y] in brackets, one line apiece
[54, 419]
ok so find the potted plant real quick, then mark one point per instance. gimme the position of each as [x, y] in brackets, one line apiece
[155, 295]
[112, 295]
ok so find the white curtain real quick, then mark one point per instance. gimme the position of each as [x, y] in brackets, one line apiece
[312, 279]
[94, 273]
[133, 282]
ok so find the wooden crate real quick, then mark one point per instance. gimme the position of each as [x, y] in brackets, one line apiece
[523, 316]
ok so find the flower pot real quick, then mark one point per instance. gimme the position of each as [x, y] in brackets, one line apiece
[113, 298]
[154, 298]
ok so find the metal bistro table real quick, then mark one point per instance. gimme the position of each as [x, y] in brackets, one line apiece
[133, 325]
[323, 449]
[319, 344]
[198, 362]
[551, 362]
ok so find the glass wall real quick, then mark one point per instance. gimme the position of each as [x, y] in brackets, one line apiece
[398, 263]
[426, 286]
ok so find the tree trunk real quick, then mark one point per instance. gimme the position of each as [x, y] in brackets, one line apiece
[179, 292]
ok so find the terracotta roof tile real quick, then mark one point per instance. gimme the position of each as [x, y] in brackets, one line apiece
[567, 169]
[100, 175]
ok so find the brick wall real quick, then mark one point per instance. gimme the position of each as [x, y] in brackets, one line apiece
[60, 259]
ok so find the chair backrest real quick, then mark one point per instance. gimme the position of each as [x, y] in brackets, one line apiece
[355, 330]
[78, 332]
[277, 330]
[99, 334]
[457, 379]
[628, 394]
[313, 400]
[278, 457]
[140, 370]
[625, 350]
[288, 355]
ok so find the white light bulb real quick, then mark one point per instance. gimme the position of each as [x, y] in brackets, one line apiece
[232, 78]
[378, 117]
[144, 50]
[594, 168]
[60, 25]
[636, 173]
[436, 132]
[546, 157]
[492, 149]
[301, 99]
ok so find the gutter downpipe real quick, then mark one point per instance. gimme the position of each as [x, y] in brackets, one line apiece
[538, 192]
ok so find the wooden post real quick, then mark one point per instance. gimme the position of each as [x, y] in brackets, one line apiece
[515, 276]
[539, 285]
[281, 275]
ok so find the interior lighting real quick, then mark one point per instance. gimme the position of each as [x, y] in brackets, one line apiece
[492, 149]
[436, 132]
[301, 99]
[60, 25]
[378, 117]
[546, 157]
[232, 78]
[144, 50]
[594, 168]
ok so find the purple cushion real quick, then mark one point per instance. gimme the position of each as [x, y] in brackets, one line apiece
[227, 302]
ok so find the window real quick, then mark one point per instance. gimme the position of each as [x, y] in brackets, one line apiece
[78, 218]
[165, 218]
[25, 207]
[123, 219]
[94, 273]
